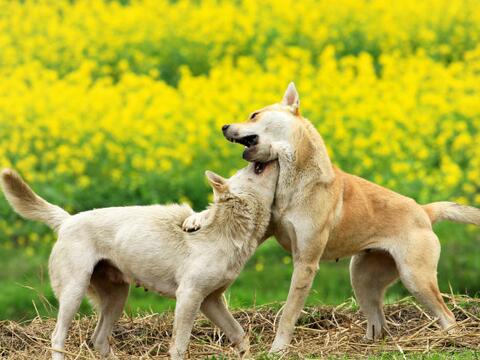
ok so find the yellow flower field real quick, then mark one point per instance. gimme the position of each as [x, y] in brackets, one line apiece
[104, 103]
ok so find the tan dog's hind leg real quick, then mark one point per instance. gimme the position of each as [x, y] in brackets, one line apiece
[417, 265]
[305, 267]
[215, 309]
[371, 273]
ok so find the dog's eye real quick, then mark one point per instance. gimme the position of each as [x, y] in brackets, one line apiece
[253, 115]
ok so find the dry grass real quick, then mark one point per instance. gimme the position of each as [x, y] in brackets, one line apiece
[322, 332]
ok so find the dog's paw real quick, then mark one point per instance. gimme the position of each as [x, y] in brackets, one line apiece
[278, 348]
[375, 333]
[243, 348]
[453, 329]
[175, 355]
[275, 353]
[193, 222]
[111, 355]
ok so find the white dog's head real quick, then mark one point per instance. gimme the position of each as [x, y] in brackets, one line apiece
[273, 123]
[257, 180]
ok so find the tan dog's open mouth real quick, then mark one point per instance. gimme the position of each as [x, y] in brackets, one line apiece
[247, 141]
[250, 142]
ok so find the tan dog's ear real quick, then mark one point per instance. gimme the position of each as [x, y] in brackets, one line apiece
[218, 183]
[291, 98]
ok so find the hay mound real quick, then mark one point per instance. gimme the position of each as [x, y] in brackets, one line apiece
[321, 332]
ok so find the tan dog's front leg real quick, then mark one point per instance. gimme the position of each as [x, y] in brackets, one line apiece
[305, 268]
[188, 304]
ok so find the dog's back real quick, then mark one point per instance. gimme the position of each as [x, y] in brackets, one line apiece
[111, 220]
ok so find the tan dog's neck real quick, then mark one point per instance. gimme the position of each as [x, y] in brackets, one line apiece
[311, 151]
[308, 168]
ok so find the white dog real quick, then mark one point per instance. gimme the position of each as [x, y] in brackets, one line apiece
[100, 252]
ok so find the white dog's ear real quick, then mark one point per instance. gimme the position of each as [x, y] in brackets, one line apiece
[218, 183]
[291, 98]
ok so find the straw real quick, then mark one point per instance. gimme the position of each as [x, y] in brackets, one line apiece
[322, 332]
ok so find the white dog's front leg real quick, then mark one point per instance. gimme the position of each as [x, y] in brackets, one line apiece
[195, 221]
[215, 309]
[188, 304]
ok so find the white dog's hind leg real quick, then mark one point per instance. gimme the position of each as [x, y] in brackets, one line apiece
[188, 304]
[70, 298]
[371, 273]
[97, 328]
[215, 309]
[70, 276]
[111, 301]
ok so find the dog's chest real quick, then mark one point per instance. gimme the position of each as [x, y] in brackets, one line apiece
[282, 229]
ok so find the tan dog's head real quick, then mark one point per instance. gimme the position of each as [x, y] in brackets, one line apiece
[273, 123]
[257, 180]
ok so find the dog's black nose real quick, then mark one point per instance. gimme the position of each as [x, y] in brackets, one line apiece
[225, 127]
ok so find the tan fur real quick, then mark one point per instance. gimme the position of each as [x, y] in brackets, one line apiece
[445, 210]
[100, 252]
[323, 213]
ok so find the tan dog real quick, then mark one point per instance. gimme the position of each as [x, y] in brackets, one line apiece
[100, 252]
[323, 213]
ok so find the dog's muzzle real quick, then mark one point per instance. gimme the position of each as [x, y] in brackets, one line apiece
[232, 136]
[249, 141]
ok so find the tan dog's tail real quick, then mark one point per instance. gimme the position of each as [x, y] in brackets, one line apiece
[28, 204]
[445, 210]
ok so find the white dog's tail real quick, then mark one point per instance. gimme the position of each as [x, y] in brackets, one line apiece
[445, 210]
[28, 204]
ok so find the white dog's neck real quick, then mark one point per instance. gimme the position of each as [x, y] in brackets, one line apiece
[241, 222]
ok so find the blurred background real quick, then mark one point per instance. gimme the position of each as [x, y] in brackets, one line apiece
[106, 103]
